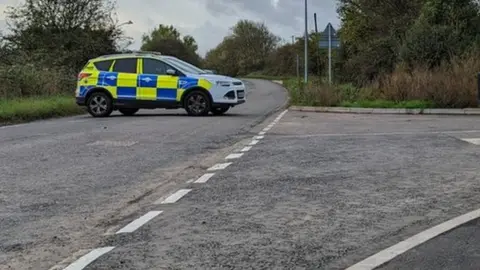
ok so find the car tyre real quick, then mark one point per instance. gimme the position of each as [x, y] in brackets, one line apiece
[197, 103]
[128, 111]
[99, 104]
[219, 110]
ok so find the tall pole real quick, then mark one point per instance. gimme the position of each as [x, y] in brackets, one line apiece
[297, 61]
[330, 53]
[315, 19]
[306, 41]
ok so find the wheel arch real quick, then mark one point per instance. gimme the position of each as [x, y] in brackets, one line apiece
[196, 88]
[97, 90]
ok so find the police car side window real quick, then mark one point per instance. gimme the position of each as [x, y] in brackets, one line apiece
[152, 66]
[126, 65]
[103, 65]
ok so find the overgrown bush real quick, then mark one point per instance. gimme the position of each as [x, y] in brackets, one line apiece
[453, 84]
[30, 80]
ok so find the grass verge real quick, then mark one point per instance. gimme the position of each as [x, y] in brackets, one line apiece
[34, 108]
[316, 93]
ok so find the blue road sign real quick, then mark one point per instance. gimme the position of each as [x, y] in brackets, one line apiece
[335, 39]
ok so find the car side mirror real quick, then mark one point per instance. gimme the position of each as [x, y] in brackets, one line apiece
[171, 72]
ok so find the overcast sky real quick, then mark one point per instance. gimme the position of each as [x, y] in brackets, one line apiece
[208, 21]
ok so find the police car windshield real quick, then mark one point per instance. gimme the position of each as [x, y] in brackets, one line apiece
[184, 66]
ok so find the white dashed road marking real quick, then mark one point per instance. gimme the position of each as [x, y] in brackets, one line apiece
[388, 254]
[234, 156]
[253, 142]
[266, 129]
[88, 258]
[113, 143]
[219, 166]
[175, 196]
[204, 178]
[137, 223]
[259, 137]
[475, 141]
[246, 149]
[262, 133]
[12, 126]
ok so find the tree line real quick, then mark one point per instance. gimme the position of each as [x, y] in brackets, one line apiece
[378, 40]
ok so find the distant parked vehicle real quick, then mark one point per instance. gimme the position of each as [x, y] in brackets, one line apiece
[147, 80]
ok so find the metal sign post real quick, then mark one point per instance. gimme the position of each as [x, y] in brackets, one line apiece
[328, 40]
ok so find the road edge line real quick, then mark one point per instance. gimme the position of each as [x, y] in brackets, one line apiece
[390, 253]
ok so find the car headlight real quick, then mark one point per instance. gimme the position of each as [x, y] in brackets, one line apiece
[223, 83]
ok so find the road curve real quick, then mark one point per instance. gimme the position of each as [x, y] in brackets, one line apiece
[66, 183]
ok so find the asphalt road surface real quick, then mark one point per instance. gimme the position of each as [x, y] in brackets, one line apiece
[65, 183]
[320, 191]
[311, 191]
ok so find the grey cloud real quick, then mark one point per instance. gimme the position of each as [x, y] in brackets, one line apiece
[287, 12]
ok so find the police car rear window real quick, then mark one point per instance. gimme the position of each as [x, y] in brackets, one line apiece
[103, 65]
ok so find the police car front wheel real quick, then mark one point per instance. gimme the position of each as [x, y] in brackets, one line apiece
[197, 103]
[99, 104]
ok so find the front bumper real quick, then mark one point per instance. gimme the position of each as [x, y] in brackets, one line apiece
[233, 97]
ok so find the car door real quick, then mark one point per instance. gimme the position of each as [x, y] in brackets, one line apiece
[124, 75]
[155, 83]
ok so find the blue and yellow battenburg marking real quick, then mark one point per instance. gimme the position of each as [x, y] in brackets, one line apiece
[144, 86]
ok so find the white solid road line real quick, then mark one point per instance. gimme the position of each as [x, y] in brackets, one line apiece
[388, 254]
[234, 156]
[266, 129]
[88, 258]
[258, 137]
[219, 166]
[253, 142]
[139, 222]
[204, 178]
[246, 149]
[175, 196]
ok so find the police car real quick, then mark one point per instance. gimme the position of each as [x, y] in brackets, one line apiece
[131, 81]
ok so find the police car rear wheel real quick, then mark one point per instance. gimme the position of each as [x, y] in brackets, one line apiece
[197, 103]
[99, 105]
[220, 110]
[128, 111]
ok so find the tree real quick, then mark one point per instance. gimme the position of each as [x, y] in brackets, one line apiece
[253, 43]
[245, 50]
[372, 34]
[443, 29]
[167, 40]
[63, 32]
[223, 58]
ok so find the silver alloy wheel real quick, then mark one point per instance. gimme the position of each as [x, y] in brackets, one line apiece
[197, 103]
[98, 105]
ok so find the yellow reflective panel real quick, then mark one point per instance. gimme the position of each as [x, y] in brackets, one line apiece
[204, 84]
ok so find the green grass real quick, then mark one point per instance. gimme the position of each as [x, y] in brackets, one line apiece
[34, 108]
[410, 104]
